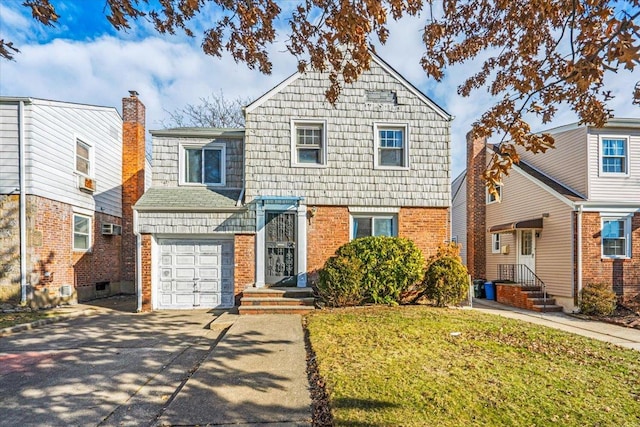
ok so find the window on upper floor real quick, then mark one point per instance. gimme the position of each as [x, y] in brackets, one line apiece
[492, 198]
[309, 143]
[83, 158]
[391, 146]
[81, 232]
[495, 243]
[203, 165]
[614, 156]
[373, 225]
[616, 237]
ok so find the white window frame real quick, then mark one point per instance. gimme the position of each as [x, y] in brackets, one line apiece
[602, 156]
[89, 234]
[491, 198]
[209, 146]
[626, 235]
[90, 160]
[377, 127]
[495, 243]
[295, 124]
[392, 216]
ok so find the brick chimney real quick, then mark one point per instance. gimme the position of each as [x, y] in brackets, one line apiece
[133, 161]
[476, 212]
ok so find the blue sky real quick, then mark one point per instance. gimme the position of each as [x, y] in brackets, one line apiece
[83, 59]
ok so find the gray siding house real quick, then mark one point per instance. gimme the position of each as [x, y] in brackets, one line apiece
[267, 205]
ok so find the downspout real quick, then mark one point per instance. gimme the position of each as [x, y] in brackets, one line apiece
[579, 251]
[22, 204]
[138, 262]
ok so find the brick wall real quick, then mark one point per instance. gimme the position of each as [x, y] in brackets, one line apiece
[145, 271]
[51, 260]
[329, 229]
[133, 161]
[9, 248]
[622, 274]
[476, 212]
[245, 265]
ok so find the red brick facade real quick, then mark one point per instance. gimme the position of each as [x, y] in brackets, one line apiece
[476, 213]
[133, 162]
[328, 228]
[245, 266]
[622, 274]
[51, 260]
[145, 271]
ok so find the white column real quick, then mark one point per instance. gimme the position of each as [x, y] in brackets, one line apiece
[301, 246]
[260, 246]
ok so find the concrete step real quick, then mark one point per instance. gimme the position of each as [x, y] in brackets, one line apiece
[541, 301]
[547, 309]
[278, 292]
[525, 288]
[533, 294]
[283, 309]
[270, 301]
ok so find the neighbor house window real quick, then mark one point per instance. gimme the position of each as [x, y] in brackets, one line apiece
[204, 165]
[309, 143]
[83, 158]
[614, 155]
[495, 243]
[493, 198]
[391, 146]
[374, 225]
[81, 232]
[616, 241]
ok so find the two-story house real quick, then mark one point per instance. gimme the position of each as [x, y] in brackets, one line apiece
[267, 205]
[69, 174]
[565, 218]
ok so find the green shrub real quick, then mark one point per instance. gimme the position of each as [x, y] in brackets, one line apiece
[597, 299]
[389, 266]
[340, 282]
[446, 281]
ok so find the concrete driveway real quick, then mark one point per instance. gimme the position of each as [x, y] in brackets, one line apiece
[114, 368]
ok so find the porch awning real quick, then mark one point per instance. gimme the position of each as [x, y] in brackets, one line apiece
[528, 224]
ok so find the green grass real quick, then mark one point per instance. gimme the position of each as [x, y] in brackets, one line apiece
[11, 319]
[401, 366]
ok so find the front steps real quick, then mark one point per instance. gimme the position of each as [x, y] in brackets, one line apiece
[277, 301]
[527, 297]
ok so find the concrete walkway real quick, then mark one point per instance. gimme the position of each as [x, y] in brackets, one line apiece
[625, 337]
[255, 375]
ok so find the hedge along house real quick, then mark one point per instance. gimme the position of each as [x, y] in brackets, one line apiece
[267, 205]
[564, 219]
[69, 174]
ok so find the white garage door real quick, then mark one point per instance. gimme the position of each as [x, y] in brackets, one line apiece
[195, 274]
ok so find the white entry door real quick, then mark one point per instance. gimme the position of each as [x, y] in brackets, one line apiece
[527, 249]
[195, 274]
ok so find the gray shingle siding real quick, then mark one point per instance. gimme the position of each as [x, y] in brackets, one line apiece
[197, 222]
[349, 177]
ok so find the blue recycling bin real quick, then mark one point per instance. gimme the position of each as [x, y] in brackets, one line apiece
[490, 290]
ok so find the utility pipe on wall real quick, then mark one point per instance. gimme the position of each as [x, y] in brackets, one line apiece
[22, 204]
[579, 251]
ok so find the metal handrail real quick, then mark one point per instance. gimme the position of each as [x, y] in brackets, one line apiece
[522, 274]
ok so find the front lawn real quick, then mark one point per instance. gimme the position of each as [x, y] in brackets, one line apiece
[408, 366]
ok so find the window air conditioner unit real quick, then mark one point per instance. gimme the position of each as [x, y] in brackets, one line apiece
[504, 250]
[87, 184]
[111, 230]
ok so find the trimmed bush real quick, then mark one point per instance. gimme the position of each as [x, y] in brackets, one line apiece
[597, 299]
[389, 266]
[446, 279]
[340, 282]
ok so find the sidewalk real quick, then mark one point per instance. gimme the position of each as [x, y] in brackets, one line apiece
[625, 337]
[255, 375]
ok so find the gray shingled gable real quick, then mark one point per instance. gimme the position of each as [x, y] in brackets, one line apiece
[188, 199]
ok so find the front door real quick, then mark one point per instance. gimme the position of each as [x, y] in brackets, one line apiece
[527, 249]
[280, 251]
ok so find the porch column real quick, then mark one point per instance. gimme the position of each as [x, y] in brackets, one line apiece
[301, 246]
[260, 245]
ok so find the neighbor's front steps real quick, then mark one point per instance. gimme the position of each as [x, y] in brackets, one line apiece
[277, 301]
[527, 297]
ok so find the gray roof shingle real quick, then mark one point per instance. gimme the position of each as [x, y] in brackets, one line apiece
[188, 199]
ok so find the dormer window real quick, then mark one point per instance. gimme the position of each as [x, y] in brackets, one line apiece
[203, 165]
[614, 156]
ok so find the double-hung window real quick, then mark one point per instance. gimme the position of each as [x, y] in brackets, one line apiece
[81, 232]
[495, 243]
[309, 143]
[204, 165]
[374, 225]
[614, 156]
[616, 237]
[493, 198]
[392, 149]
[83, 158]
